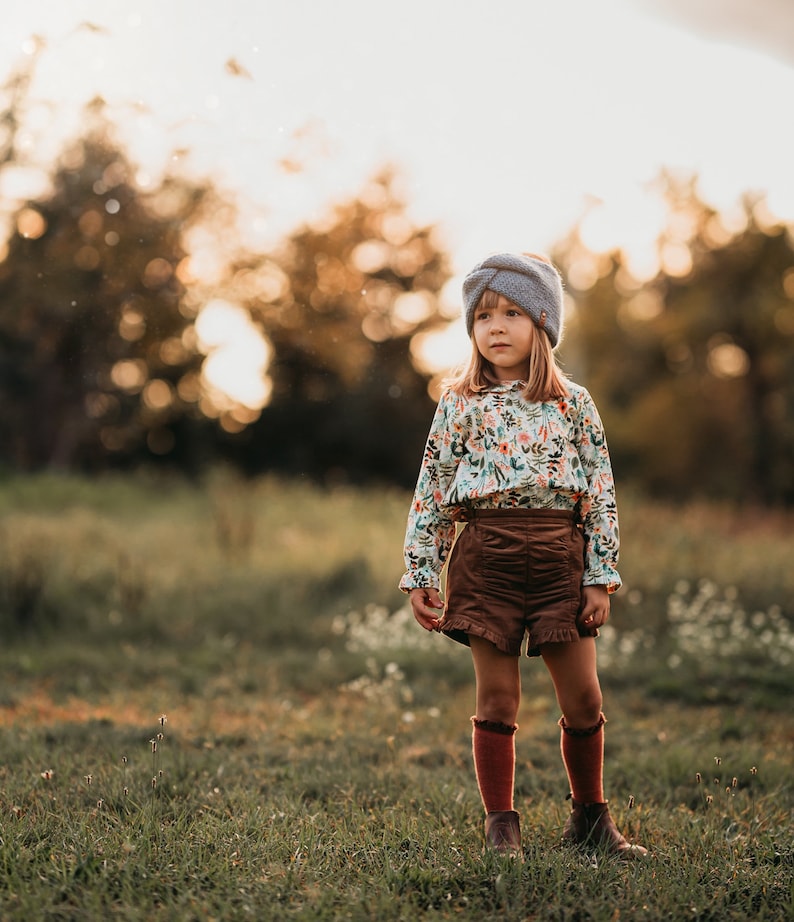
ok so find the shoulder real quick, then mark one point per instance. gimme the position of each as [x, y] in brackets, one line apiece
[449, 408]
[577, 393]
[454, 402]
[579, 398]
[579, 407]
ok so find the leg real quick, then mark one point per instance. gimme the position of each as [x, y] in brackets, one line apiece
[573, 671]
[493, 742]
[572, 667]
[498, 682]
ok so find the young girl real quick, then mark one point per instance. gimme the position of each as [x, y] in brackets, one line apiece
[517, 452]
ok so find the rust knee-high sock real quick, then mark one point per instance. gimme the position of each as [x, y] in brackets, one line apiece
[494, 748]
[583, 757]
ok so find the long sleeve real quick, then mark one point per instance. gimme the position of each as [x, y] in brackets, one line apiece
[430, 530]
[598, 508]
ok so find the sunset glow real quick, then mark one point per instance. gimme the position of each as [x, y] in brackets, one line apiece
[286, 121]
[234, 372]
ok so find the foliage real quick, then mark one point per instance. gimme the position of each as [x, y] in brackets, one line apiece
[340, 304]
[692, 371]
[99, 353]
[99, 350]
[97, 366]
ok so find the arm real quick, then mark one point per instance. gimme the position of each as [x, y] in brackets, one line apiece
[430, 530]
[599, 508]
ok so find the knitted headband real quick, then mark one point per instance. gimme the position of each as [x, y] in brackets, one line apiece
[531, 284]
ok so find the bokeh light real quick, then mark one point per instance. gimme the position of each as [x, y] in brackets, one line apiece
[234, 371]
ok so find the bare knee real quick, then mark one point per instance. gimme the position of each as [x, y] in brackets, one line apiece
[584, 710]
[498, 704]
[498, 682]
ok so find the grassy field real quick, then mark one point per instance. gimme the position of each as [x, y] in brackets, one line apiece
[214, 705]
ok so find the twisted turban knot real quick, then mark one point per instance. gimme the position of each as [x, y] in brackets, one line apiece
[531, 284]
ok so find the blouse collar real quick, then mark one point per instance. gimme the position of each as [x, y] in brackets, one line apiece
[504, 386]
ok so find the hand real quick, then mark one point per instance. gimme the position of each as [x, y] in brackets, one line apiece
[594, 612]
[425, 603]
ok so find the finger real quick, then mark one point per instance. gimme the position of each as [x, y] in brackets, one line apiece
[426, 617]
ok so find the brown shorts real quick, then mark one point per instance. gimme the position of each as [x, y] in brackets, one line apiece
[516, 572]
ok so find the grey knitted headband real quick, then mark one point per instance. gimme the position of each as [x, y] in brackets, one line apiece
[531, 284]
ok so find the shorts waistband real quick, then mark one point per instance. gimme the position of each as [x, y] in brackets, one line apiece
[517, 515]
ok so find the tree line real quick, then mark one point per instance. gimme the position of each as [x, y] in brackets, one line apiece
[694, 369]
[102, 365]
[101, 358]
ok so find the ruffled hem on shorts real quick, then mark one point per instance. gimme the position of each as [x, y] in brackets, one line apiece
[458, 629]
[558, 635]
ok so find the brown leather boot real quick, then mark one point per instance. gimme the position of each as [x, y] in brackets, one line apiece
[503, 833]
[591, 824]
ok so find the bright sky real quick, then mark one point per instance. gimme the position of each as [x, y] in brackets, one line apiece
[508, 119]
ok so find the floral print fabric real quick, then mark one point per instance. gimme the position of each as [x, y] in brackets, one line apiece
[495, 450]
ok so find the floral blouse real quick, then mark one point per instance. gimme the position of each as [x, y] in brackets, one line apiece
[495, 450]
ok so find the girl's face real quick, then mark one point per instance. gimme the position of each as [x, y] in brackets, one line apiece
[504, 334]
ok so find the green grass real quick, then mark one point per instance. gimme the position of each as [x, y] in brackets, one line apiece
[341, 809]
[316, 758]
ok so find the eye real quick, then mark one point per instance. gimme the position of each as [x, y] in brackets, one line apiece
[483, 315]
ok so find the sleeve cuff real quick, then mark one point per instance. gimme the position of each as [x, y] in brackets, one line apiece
[418, 579]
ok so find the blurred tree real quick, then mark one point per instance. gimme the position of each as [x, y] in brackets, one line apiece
[108, 337]
[97, 362]
[13, 93]
[694, 370]
[340, 305]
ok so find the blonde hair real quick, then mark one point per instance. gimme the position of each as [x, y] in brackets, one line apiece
[545, 381]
